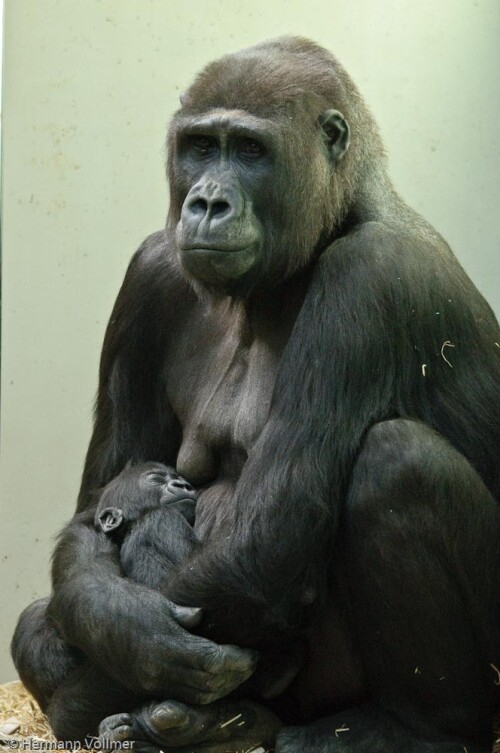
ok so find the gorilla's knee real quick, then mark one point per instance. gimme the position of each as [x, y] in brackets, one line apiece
[395, 462]
[42, 659]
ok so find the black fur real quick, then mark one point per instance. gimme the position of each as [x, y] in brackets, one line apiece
[305, 350]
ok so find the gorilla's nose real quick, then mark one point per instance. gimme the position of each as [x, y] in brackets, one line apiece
[179, 484]
[209, 209]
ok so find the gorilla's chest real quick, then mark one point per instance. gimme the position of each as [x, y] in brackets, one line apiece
[220, 379]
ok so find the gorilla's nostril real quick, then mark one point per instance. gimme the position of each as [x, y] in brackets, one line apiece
[181, 484]
[199, 206]
[210, 209]
[219, 207]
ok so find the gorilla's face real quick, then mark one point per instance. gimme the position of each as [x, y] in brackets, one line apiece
[248, 188]
[226, 162]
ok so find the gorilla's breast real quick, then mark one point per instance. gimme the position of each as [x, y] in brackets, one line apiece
[221, 395]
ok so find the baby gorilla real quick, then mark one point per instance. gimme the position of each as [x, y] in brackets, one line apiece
[149, 511]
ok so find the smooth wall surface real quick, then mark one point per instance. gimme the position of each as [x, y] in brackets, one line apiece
[88, 89]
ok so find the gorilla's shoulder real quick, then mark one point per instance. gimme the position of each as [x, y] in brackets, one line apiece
[155, 265]
[383, 245]
[155, 253]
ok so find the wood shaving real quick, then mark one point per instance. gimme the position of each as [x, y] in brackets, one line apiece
[18, 707]
[446, 344]
[341, 729]
[230, 721]
[495, 669]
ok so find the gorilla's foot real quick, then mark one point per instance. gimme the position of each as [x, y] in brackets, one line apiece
[118, 728]
[368, 730]
[215, 728]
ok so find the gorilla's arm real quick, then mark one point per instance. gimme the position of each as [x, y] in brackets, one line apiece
[135, 634]
[371, 320]
[90, 597]
[132, 422]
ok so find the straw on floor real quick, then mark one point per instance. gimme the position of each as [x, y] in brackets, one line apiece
[20, 717]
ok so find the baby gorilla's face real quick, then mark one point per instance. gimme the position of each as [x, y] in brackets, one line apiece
[166, 482]
[138, 489]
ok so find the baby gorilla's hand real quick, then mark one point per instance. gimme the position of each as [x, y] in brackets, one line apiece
[159, 543]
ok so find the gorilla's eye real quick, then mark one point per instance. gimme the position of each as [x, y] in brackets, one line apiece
[155, 477]
[202, 145]
[250, 148]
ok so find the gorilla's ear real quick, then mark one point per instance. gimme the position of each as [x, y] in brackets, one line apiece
[109, 519]
[336, 133]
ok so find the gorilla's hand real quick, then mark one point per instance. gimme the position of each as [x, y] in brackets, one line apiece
[169, 660]
[222, 727]
[132, 632]
[135, 634]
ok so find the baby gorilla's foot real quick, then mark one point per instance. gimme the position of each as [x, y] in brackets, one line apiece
[215, 728]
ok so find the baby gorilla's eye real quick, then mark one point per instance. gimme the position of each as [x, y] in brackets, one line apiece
[155, 477]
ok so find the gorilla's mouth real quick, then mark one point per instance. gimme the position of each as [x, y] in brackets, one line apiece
[210, 248]
[217, 264]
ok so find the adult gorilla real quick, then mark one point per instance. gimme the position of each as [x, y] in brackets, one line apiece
[308, 353]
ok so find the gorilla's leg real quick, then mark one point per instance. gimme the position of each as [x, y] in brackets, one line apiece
[83, 699]
[42, 659]
[420, 540]
[73, 693]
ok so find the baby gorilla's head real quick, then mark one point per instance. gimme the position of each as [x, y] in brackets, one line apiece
[135, 491]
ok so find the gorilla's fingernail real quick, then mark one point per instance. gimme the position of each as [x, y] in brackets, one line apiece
[254, 657]
[188, 617]
[240, 659]
[168, 716]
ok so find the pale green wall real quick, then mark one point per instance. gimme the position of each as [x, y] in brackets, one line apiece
[89, 87]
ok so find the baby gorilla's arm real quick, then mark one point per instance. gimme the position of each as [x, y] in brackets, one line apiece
[158, 542]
